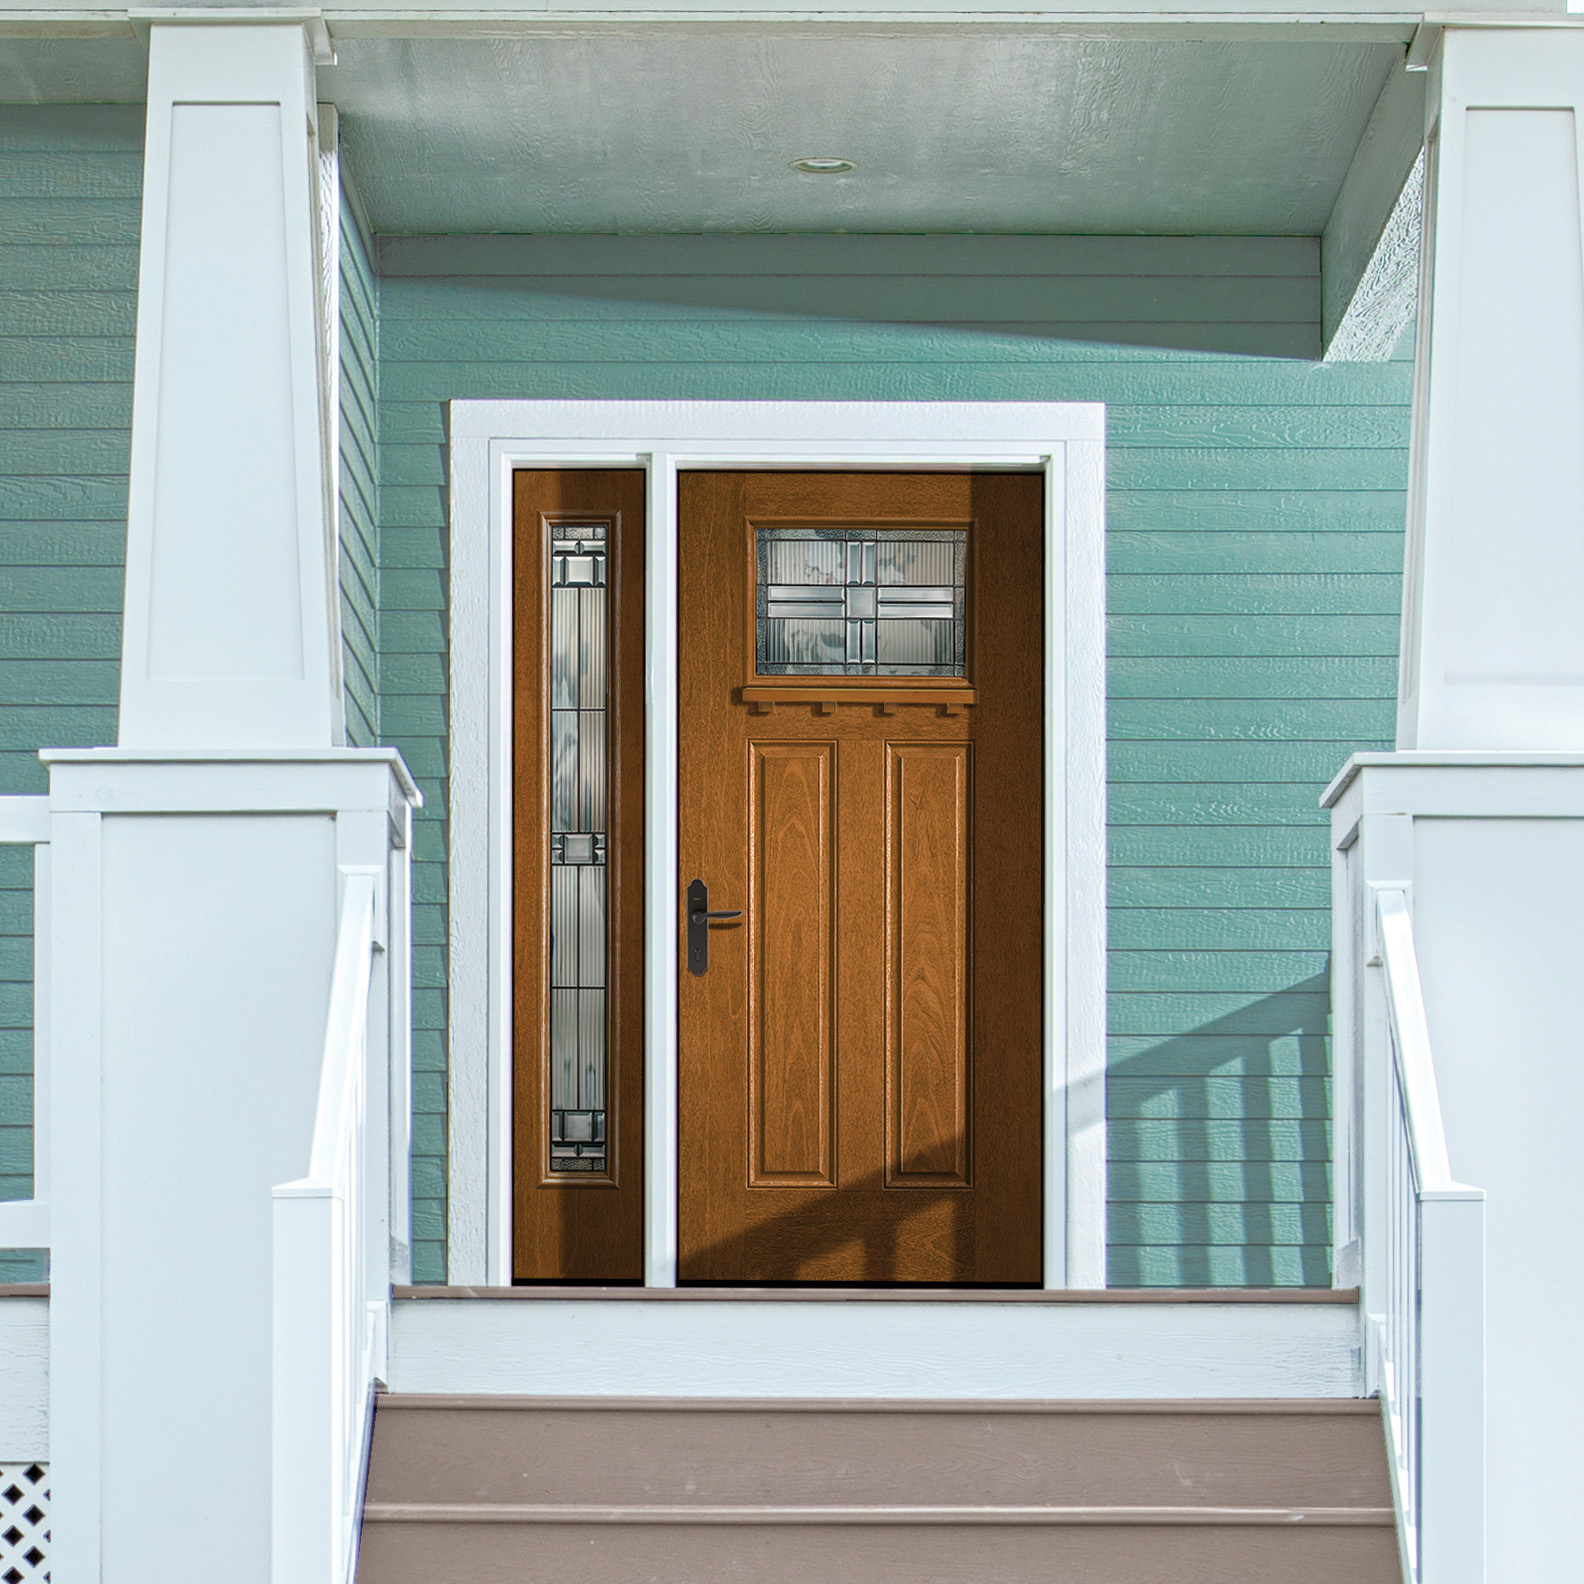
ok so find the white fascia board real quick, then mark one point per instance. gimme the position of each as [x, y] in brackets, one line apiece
[756, 1348]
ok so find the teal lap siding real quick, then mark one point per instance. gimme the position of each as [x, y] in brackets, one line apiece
[1254, 542]
[359, 474]
[70, 182]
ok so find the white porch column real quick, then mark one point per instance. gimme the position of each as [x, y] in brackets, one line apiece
[230, 617]
[201, 863]
[1493, 641]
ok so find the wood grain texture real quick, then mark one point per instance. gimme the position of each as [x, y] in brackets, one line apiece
[908, 880]
[587, 1228]
[928, 970]
[792, 953]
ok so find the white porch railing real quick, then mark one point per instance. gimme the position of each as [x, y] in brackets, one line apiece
[1429, 1344]
[25, 1223]
[331, 1311]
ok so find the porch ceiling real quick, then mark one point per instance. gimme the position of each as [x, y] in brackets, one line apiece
[690, 132]
[685, 128]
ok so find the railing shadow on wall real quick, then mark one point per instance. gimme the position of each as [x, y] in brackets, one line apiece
[1245, 1100]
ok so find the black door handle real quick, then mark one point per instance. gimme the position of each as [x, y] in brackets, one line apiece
[698, 923]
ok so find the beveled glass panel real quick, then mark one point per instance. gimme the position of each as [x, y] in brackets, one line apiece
[845, 602]
[563, 1048]
[591, 648]
[564, 770]
[579, 666]
[591, 925]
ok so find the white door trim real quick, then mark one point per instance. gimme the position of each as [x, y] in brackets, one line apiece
[1065, 442]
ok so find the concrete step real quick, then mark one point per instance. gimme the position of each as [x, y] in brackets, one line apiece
[690, 1492]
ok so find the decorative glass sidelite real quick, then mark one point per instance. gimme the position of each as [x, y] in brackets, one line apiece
[861, 601]
[578, 696]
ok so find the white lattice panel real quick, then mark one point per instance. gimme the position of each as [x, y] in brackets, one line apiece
[24, 1523]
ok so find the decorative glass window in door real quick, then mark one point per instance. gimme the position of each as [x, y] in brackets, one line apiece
[578, 587]
[856, 601]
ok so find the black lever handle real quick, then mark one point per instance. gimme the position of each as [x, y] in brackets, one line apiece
[698, 923]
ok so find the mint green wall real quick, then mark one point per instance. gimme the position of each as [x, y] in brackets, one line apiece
[69, 186]
[359, 569]
[1254, 548]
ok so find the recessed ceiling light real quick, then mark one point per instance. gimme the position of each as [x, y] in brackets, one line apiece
[824, 165]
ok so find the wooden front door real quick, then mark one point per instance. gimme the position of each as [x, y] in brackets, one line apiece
[861, 677]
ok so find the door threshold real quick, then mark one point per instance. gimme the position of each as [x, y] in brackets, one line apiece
[911, 1295]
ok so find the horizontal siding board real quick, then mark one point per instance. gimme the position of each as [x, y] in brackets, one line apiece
[622, 259]
[1145, 1014]
[51, 404]
[925, 299]
[1194, 678]
[1218, 1267]
[1299, 1053]
[39, 268]
[74, 589]
[1217, 1182]
[1309, 763]
[1350, 722]
[1271, 636]
[1145, 553]
[65, 313]
[1134, 1139]
[84, 360]
[1185, 971]
[1267, 593]
[1221, 1098]
[1240, 887]
[29, 727]
[42, 635]
[1262, 846]
[1210, 803]
[1220, 929]
[68, 222]
[76, 452]
[1280, 511]
[1204, 1225]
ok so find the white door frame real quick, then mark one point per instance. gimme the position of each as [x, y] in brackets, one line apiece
[1063, 440]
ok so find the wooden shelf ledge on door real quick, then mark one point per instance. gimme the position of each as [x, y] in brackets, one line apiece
[762, 699]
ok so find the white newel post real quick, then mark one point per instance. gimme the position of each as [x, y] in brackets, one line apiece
[1479, 816]
[202, 864]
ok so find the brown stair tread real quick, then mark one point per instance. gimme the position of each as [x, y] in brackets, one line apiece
[486, 1490]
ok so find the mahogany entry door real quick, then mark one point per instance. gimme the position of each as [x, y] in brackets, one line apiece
[861, 665]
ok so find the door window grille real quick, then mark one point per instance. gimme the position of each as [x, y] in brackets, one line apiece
[861, 601]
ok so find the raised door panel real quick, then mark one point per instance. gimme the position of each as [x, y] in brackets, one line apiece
[792, 1025]
[927, 837]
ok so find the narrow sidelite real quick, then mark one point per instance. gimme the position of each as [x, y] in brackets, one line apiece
[578, 848]
[577, 892]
